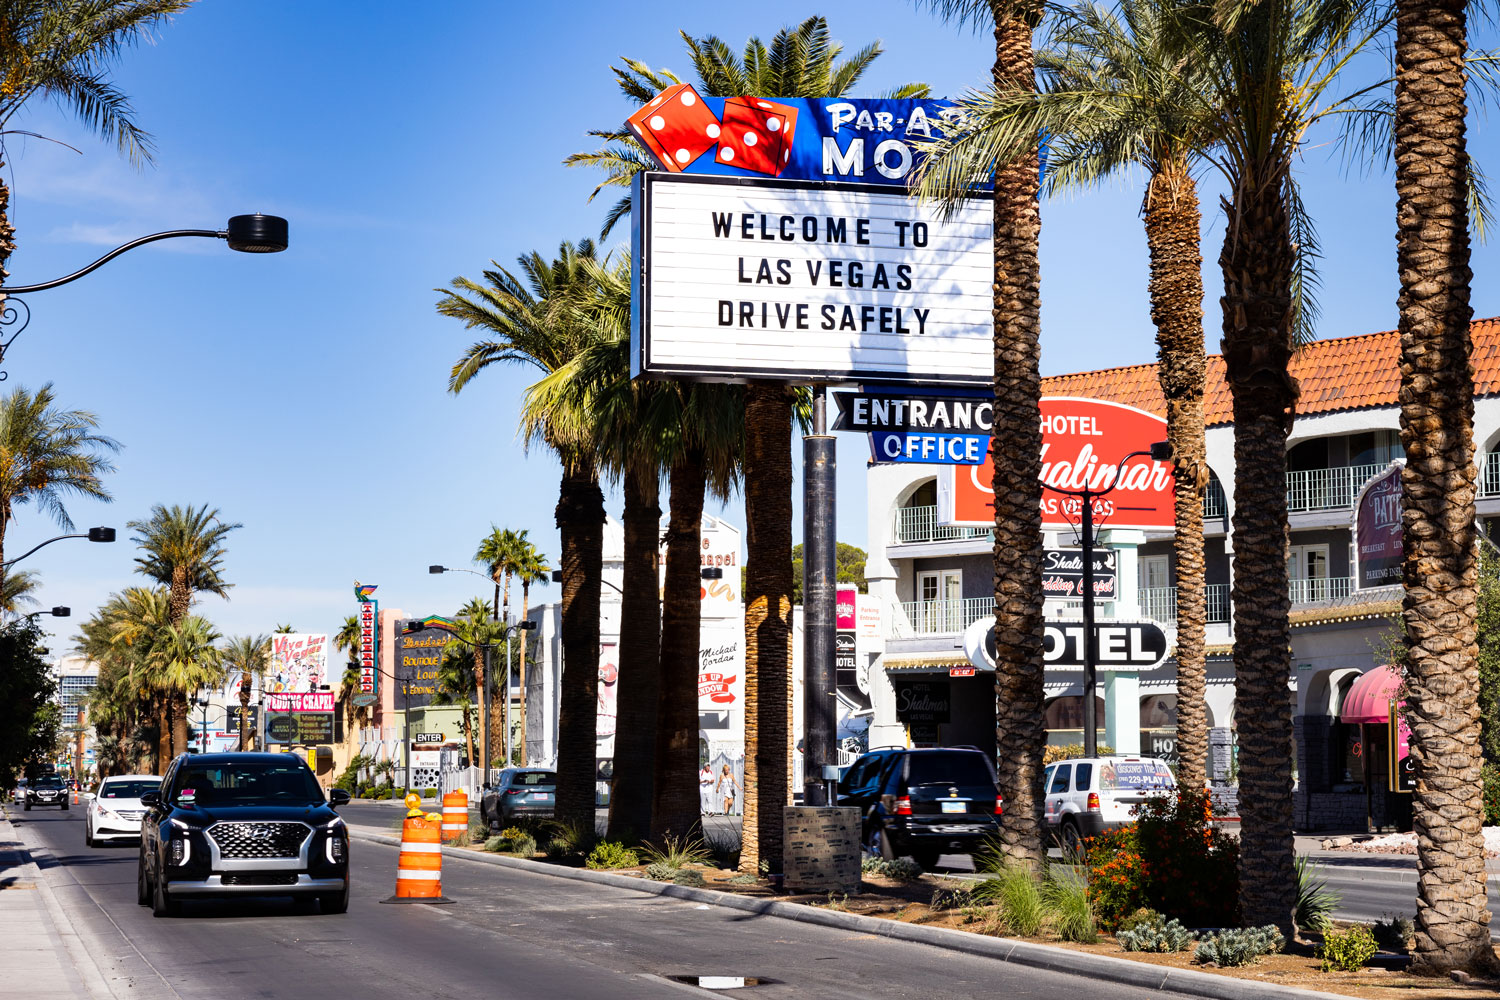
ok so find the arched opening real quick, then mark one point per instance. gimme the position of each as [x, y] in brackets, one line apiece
[1064, 719]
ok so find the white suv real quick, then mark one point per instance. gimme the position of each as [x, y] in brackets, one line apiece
[1087, 796]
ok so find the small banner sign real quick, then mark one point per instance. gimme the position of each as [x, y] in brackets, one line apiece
[1377, 530]
[1062, 574]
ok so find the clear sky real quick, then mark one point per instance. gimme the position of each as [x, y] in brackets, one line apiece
[303, 394]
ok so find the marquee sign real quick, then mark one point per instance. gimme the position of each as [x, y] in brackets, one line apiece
[1083, 441]
[369, 638]
[1117, 645]
[313, 701]
[739, 278]
[1378, 551]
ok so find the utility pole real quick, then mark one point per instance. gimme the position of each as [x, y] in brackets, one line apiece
[819, 722]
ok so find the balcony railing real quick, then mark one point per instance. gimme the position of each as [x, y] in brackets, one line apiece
[1333, 588]
[920, 524]
[941, 617]
[1326, 489]
[1160, 603]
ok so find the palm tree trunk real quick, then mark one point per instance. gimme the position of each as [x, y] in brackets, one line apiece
[1257, 306]
[521, 670]
[466, 724]
[640, 661]
[1019, 726]
[180, 721]
[480, 681]
[1171, 214]
[768, 623]
[580, 521]
[244, 713]
[674, 808]
[1437, 431]
[499, 692]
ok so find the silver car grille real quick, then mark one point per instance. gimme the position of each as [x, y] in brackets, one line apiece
[259, 840]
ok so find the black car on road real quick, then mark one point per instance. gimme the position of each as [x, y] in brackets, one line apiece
[924, 803]
[47, 790]
[242, 824]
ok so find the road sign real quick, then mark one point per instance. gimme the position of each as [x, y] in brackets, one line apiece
[917, 427]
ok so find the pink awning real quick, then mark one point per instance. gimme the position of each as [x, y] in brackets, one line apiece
[1369, 699]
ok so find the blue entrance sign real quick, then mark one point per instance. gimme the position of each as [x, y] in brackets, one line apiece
[805, 139]
[935, 428]
[933, 449]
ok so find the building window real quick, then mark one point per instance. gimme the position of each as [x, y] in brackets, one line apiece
[940, 601]
[1307, 573]
[1155, 572]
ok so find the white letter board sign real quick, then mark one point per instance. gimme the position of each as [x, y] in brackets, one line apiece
[742, 278]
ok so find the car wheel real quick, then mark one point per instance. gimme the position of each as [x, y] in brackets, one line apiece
[88, 835]
[64, 807]
[163, 905]
[28, 805]
[142, 887]
[880, 844]
[928, 859]
[335, 902]
[1072, 840]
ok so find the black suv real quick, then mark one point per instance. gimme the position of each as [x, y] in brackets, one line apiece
[924, 803]
[242, 824]
[47, 790]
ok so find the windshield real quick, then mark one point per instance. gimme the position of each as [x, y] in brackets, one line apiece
[948, 769]
[535, 778]
[242, 784]
[1136, 774]
[128, 789]
[48, 783]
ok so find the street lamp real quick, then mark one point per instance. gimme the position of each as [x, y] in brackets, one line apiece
[244, 233]
[93, 534]
[1160, 451]
[57, 612]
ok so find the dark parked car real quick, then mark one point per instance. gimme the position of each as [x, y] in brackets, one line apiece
[924, 803]
[47, 790]
[519, 791]
[242, 824]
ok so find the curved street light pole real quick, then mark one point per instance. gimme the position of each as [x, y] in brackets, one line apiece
[93, 535]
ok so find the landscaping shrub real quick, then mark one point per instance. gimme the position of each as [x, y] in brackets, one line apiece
[743, 880]
[688, 876]
[902, 869]
[1171, 860]
[1067, 751]
[608, 854]
[1238, 947]
[349, 780]
[1145, 915]
[478, 830]
[570, 838]
[676, 852]
[1348, 950]
[1066, 895]
[497, 844]
[1315, 900]
[723, 848]
[1394, 934]
[524, 845]
[957, 898]
[514, 833]
[658, 872]
[1017, 898]
[429, 793]
[1155, 935]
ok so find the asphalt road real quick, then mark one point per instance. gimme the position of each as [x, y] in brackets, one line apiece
[1372, 890]
[509, 935]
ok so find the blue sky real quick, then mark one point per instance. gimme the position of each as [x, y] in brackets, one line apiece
[304, 394]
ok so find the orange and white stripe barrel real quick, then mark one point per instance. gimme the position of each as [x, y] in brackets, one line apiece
[419, 870]
[455, 815]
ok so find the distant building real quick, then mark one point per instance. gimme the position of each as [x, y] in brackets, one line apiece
[76, 676]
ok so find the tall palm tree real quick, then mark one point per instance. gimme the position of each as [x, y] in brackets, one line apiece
[799, 62]
[183, 548]
[455, 685]
[186, 659]
[250, 657]
[498, 553]
[1118, 92]
[59, 51]
[123, 634]
[1019, 727]
[46, 453]
[478, 630]
[533, 320]
[1437, 486]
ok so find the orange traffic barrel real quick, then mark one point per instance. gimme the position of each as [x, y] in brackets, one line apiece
[419, 869]
[455, 816]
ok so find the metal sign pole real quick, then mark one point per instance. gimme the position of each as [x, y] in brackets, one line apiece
[1090, 677]
[819, 599]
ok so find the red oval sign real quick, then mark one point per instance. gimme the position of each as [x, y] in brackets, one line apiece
[1083, 441]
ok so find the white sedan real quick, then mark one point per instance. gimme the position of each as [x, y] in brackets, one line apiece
[115, 810]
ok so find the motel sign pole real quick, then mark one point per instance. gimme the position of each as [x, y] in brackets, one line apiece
[1161, 451]
[819, 596]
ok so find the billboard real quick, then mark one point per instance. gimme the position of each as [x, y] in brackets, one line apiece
[808, 139]
[1083, 441]
[739, 278]
[1378, 548]
[369, 640]
[299, 662]
[418, 657]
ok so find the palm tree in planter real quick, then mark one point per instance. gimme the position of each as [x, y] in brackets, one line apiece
[535, 321]
[47, 454]
[250, 657]
[800, 62]
[1117, 92]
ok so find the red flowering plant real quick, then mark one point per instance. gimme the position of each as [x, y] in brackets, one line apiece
[1171, 860]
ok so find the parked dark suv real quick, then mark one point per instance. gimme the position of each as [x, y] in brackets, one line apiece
[47, 790]
[924, 803]
[242, 824]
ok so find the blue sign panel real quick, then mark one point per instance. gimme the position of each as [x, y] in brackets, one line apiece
[929, 448]
[806, 139]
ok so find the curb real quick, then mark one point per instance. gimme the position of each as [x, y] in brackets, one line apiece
[1037, 956]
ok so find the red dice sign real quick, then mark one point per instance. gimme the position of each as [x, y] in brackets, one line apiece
[676, 126]
[757, 135]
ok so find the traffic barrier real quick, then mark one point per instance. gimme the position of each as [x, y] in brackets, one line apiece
[455, 816]
[419, 869]
[75, 796]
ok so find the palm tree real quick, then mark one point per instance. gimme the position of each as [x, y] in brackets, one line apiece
[455, 686]
[800, 62]
[479, 632]
[183, 549]
[250, 657]
[531, 567]
[534, 321]
[122, 635]
[1118, 93]
[1437, 486]
[186, 659]
[498, 554]
[46, 453]
[16, 589]
[59, 52]
[1019, 726]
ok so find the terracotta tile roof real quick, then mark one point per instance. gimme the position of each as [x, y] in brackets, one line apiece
[1345, 373]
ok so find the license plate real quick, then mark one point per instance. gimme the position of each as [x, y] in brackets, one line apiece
[955, 807]
[541, 796]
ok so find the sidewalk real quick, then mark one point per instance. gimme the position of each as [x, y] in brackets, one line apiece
[42, 950]
[1311, 846]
